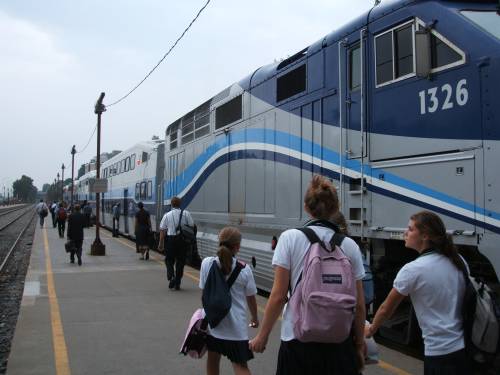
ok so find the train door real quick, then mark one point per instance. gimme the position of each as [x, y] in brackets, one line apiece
[125, 210]
[353, 131]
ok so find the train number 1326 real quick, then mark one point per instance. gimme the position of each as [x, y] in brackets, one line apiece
[430, 100]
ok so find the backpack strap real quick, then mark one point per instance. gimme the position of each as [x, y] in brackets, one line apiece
[180, 221]
[337, 240]
[234, 275]
[310, 234]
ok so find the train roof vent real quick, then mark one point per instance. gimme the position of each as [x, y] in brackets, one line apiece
[221, 95]
[292, 59]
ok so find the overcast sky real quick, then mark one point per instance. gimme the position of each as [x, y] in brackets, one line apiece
[57, 56]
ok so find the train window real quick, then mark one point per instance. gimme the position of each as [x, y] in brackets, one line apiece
[442, 54]
[132, 162]
[173, 140]
[150, 189]
[127, 164]
[291, 83]
[121, 167]
[394, 51]
[144, 156]
[488, 21]
[354, 68]
[228, 112]
[137, 191]
[143, 190]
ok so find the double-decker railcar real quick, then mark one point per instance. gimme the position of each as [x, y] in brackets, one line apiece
[399, 107]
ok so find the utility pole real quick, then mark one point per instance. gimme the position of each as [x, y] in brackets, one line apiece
[73, 152]
[57, 187]
[62, 182]
[98, 247]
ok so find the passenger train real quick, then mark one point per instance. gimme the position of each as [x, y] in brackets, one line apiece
[397, 108]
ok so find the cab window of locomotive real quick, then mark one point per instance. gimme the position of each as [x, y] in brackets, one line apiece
[441, 53]
[488, 21]
[127, 164]
[291, 83]
[384, 58]
[404, 51]
[150, 189]
[132, 162]
[228, 112]
[144, 156]
[354, 68]
[143, 190]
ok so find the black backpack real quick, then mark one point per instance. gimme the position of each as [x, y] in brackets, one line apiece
[216, 297]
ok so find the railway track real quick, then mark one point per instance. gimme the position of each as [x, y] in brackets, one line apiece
[8, 210]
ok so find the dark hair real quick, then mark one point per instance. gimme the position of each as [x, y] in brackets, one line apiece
[339, 219]
[77, 207]
[321, 198]
[430, 224]
[140, 205]
[229, 238]
[175, 202]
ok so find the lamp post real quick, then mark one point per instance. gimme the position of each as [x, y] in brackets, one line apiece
[98, 247]
[57, 186]
[73, 152]
[62, 182]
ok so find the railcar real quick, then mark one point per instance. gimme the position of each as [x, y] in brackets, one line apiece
[133, 175]
[82, 189]
[398, 107]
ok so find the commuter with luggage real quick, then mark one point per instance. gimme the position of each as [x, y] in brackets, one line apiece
[316, 266]
[42, 210]
[142, 231]
[76, 223]
[436, 286]
[228, 330]
[53, 212]
[172, 240]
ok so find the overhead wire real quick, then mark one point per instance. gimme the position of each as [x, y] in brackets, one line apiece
[88, 142]
[164, 56]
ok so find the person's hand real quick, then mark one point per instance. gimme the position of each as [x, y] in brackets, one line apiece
[160, 248]
[258, 344]
[369, 331]
[254, 323]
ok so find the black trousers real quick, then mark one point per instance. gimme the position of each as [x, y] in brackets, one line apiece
[116, 227]
[76, 250]
[54, 221]
[175, 258]
[456, 363]
[61, 227]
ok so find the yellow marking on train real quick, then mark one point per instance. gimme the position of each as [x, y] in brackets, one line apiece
[386, 366]
[60, 349]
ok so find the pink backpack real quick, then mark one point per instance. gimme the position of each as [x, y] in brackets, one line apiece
[195, 341]
[324, 299]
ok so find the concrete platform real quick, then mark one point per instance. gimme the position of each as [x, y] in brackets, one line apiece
[116, 315]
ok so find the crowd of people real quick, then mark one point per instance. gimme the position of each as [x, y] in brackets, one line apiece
[437, 297]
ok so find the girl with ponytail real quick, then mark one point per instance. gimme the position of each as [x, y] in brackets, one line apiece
[436, 286]
[230, 337]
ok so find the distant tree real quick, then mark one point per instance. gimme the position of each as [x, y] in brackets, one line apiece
[24, 189]
[67, 181]
[45, 187]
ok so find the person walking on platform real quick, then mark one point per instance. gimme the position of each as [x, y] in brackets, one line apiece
[116, 219]
[42, 210]
[437, 297]
[142, 231]
[175, 247]
[87, 212]
[62, 215]
[76, 223]
[312, 356]
[53, 212]
[230, 337]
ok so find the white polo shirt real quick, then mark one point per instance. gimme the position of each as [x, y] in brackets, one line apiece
[289, 254]
[436, 289]
[234, 326]
[170, 221]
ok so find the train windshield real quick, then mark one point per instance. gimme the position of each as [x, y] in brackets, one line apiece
[488, 21]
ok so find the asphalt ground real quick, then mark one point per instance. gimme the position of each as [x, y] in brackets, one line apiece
[116, 315]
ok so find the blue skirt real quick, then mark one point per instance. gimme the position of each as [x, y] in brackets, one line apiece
[235, 351]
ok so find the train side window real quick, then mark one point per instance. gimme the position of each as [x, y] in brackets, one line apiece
[143, 190]
[127, 164]
[291, 83]
[132, 162]
[150, 189]
[394, 54]
[355, 68]
[121, 166]
[144, 156]
[228, 112]
[137, 191]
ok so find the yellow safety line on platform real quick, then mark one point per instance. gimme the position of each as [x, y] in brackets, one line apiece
[386, 366]
[60, 349]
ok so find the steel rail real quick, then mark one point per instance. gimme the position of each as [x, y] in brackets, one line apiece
[13, 221]
[4, 262]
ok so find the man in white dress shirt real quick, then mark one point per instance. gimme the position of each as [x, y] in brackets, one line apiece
[175, 247]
